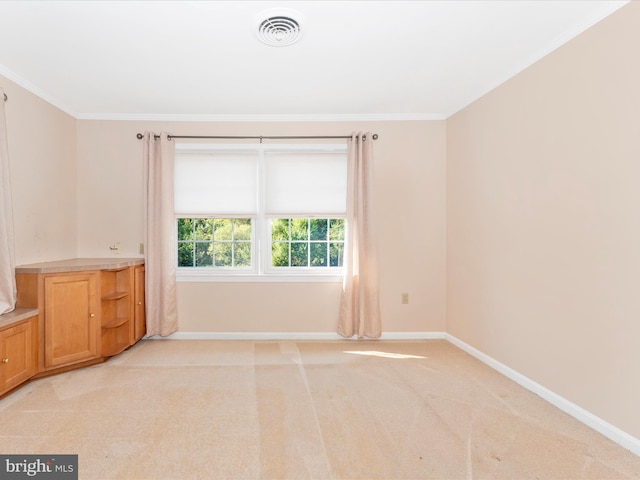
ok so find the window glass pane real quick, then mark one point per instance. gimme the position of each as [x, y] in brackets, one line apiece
[222, 229]
[280, 254]
[219, 242]
[203, 228]
[185, 254]
[227, 242]
[336, 229]
[318, 228]
[280, 229]
[242, 228]
[309, 244]
[185, 229]
[242, 254]
[203, 254]
[336, 254]
[223, 255]
[319, 254]
[299, 254]
[299, 229]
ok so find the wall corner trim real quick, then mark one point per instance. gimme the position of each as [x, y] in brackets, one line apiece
[610, 431]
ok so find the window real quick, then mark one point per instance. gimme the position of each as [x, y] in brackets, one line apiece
[307, 242]
[214, 242]
[267, 210]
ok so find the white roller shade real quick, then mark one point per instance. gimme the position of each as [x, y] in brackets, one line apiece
[305, 183]
[222, 182]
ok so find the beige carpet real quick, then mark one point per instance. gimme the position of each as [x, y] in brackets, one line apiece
[169, 409]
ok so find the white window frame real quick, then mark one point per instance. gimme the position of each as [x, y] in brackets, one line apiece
[261, 269]
[242, 270]
[271, 270]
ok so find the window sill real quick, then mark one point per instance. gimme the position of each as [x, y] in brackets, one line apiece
[255, 278]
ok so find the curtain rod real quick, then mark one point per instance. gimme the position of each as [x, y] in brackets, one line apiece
[140, 136]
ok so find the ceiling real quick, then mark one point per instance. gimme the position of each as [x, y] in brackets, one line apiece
[202, 60]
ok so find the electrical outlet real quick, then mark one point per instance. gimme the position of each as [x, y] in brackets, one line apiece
[141, 248]
[405, 298]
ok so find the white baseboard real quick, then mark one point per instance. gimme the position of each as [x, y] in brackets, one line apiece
[250, 336]
[413, 336]
[610, 431]
[295, 336]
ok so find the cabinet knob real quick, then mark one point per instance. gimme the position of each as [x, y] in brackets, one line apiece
[92, 315]
[139, 303]
[5, 360]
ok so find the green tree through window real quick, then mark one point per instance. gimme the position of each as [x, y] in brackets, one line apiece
[307, 242]
[214, 242]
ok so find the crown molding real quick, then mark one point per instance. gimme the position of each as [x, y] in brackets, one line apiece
[37, 91]
[382, 117]
[149, 117]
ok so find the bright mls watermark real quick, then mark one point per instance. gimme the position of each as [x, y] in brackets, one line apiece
[49, 467]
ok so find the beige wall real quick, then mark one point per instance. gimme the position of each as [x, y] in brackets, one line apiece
[543, 221]
[42, 156]
[410, 181]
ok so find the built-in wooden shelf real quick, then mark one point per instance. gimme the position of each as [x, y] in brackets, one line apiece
[115, 296]
[116, 322]
[117, 285]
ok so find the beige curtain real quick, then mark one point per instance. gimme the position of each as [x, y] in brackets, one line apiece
[360, 304]
[7, 252]
[161, 257]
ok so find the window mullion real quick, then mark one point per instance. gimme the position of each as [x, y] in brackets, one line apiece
[328, 249]
[308, 242]
[233, 243]
[290, 223]
[262, 241]
[193, 242]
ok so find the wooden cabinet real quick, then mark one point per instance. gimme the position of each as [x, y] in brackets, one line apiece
[140, 324]
[87, 309]
[18, 353]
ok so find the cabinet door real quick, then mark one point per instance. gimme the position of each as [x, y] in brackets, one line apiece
[17, 352]
[140, 326]
[71, 321]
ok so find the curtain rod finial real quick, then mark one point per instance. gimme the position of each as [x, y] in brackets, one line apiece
[139, 136]
[375, 136]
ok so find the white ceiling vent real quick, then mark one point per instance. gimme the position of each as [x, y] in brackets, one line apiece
[279, 28]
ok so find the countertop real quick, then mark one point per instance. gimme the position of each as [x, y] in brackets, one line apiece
[79, 265]
[17, 315]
